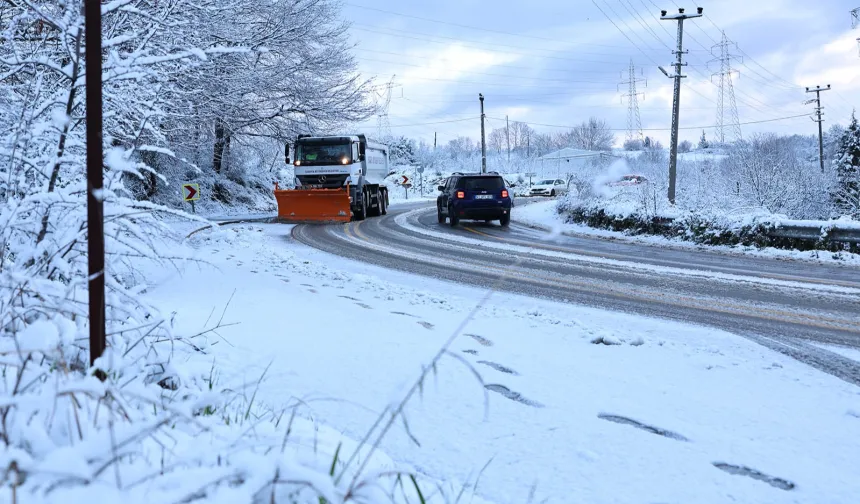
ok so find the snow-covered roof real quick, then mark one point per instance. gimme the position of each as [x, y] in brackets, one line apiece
[570, 152]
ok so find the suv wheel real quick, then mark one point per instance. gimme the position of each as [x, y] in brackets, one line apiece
[453, 219]
[440, 215]
[506, 220]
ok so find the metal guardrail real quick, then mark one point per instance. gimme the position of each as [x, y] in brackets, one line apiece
[833, 234]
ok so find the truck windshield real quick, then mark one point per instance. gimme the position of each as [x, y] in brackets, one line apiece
[323, 153]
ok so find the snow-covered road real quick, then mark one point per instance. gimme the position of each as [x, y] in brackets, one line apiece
[585, 405]
[782, 305]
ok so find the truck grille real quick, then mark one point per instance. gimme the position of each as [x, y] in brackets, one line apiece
[323, 181]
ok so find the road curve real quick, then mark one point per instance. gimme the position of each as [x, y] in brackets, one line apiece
[784, 305]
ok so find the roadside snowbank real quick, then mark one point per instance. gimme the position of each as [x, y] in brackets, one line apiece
[587, 405]
[545, 215]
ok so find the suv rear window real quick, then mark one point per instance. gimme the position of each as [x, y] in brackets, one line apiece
[482, 183]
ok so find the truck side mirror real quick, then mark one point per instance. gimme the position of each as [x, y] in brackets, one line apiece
[362, 151]
[287, 153]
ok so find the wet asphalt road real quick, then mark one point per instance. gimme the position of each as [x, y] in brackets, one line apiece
[783, 305]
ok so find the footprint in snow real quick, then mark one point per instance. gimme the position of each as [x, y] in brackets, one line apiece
[756, 475]
[480, 339]
[404, 314]
[473, 352]
[427, 325]
[348, 297]
[639, 425]
[312, 291]
[499, 367]
[364, 306]
[514, 396]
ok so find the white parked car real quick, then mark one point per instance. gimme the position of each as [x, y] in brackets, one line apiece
[549, 187]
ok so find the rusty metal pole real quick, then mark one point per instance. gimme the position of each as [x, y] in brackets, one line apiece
[95, 178]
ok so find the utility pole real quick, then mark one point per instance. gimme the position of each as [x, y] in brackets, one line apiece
[95, 181]
[634, 119]
[434, 140]
[508, 135]
[676, 97]
[528, 142]
[483, 137]
[819, 120]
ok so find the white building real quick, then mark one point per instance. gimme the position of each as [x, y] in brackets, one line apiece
[561, 162]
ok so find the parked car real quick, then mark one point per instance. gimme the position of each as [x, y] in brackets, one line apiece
[474, 196]
[549, 187]
[629, 180]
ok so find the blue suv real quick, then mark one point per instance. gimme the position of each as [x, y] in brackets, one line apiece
[474, 196]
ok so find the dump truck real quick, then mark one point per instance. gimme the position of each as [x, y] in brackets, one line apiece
[337, 179]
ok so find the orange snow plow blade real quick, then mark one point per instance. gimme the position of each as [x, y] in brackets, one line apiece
[313, 205]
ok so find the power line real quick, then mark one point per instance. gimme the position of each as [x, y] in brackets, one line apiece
[544, 79]
[667, 129]
[411, 35]
[500, 65]
[640, 49]
[433, 123]
[470, 27]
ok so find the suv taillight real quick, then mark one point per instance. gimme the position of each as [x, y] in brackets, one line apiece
[504, 193]
[461, 194]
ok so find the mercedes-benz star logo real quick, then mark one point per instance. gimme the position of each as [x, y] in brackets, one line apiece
[322, 178]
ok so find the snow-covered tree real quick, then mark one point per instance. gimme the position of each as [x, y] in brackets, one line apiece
[847, 163]
[593, 134]
[703, 141]
[402, 150]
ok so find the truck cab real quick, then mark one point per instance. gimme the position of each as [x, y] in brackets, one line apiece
[347, 163]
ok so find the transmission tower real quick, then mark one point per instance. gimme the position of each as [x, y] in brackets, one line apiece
[855, 20]
[726, 90]
[383, 124]
[634, 119]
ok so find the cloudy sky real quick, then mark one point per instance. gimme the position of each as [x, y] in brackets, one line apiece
[554, 63]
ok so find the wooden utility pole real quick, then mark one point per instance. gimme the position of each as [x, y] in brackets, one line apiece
[676, 96]
[818, 118]
[95, 179]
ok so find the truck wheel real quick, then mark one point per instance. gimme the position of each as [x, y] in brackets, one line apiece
[383, 202]
[361, 213]
[453, 219]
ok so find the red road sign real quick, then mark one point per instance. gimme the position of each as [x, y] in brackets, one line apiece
[405, 180]
[190, 192]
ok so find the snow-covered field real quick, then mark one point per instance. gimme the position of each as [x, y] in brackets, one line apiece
[578, 405]
[543, 215]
